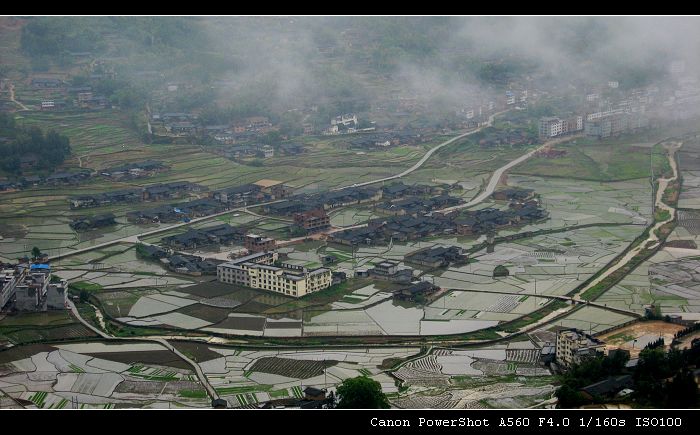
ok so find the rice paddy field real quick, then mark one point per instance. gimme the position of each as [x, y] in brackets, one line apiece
[550, 264]
[245, 377]
[688, 163]
[668, 280]
[39, 216]
[539, 267]
[499, 376]
[613, 159]
[99, 375]
[25, 328]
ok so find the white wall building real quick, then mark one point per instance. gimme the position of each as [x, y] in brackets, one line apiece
[257, 271]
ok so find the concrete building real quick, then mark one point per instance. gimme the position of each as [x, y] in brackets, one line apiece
[574, 346]
[553, 127]
[614, 123]
[550, 127]
[31, 289]
[8, 282]
[313, 220]
[256, 243]
[257, 271]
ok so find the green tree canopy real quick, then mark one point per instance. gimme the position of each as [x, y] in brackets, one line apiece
[361, 393]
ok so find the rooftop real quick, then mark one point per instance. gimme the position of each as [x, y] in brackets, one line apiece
[267, 183]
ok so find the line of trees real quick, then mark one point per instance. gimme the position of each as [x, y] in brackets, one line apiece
[661, 379]
[654, 344]
[689, 330]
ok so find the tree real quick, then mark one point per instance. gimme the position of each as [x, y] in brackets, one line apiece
[500, 271]
[682, 392]
[361, 393]
[84, 296]
[36, 252]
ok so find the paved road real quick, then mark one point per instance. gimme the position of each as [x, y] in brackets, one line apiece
[498, 173]
[161, 341]
[425, 157]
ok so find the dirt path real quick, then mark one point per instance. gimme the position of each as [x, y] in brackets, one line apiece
[161, 341]
[12, 98]
[652, 240]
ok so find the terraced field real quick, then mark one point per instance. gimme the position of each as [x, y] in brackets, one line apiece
[291, 368]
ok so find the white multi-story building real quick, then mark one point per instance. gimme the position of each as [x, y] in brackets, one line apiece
[550, 127]
[31, 289]
[346, 120]
[573, 346]
[678, 67]
[257, 271]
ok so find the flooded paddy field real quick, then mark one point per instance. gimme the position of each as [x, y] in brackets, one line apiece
[99, 375]
[244, 377]
[670, 280]
[497, 376]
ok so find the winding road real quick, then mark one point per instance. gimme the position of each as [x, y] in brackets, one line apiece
[498, 173]
[426, 156]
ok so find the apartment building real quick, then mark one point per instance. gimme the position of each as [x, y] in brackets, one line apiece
[574, 346]
[258, 271]
[31, 289]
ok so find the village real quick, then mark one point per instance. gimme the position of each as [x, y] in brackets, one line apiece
[171, 238]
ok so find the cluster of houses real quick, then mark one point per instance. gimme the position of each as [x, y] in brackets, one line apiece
[252, 193]
[523, 207]
[183, 211]
[385, 140]
[551, 126]
[122, 196]
[601, 124]
[344, 124]
[438, 256]
[360, 195]
[610, 111]
[31, 287]
[399, 228]
[239, 152]
[179, 263]
[189, 124]
[325, 200]
[86, 223]
[153, 192]
[416, 205]
[55, 179]
[129, 171]
[223, 234]
[81, 97]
